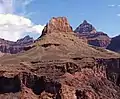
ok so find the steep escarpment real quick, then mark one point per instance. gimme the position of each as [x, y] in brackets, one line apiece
[59, 24]
[60, 66]
[87, 31]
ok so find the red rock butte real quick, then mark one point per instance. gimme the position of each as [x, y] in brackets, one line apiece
[55, 25]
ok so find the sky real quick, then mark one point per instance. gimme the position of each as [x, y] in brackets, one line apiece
[28, 17]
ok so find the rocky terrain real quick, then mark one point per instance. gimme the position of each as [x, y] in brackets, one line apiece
[87, 32]
[60, 65]
[114, 45]
[15, 47]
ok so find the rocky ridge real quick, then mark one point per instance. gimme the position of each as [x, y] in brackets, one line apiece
[15, 47]
[87, 31]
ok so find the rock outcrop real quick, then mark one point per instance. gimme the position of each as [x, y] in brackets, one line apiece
[114, 45]
[15, 47]
[56, 25]
[56, 82]
[60, 66]
[87, 31]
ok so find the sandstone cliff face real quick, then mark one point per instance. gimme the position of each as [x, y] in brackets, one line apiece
[15, 47]
[56, 25]
[60, 66]
[87, 31]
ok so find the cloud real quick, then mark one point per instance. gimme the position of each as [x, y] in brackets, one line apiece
[27, 2]
[118, 15]
[112, 5]
[12, 27]
[6, 6]
[11, 6]
[22, 6]
[14, 24]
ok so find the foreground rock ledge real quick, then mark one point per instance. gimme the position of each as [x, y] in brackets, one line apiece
[66, 82]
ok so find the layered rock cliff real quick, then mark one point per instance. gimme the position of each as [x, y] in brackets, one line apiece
[87, 31]
[15, 47]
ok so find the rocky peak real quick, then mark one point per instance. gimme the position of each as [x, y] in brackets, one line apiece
[59, 24]
[85, 22]
[88, 31]
[26, 40]
[85, 27]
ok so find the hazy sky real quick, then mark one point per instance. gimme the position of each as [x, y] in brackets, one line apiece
[29, 16]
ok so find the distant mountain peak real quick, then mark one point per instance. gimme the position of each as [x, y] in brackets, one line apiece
[85, 27]
[85, 22]
[27, 37]
[11, 47]
[87, 31]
